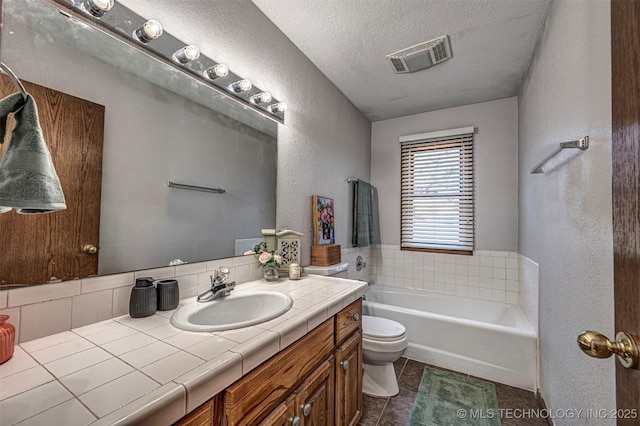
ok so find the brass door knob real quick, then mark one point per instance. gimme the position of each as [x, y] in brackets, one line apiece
[625, 347]
[90, 249]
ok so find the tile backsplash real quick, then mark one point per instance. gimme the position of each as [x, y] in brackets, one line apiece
[46, 309]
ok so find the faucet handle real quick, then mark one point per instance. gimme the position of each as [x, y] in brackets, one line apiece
[220, 275]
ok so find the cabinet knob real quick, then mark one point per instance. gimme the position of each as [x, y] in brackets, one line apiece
[306, 409]
[295, 421]
[355, 317]
[344, 364]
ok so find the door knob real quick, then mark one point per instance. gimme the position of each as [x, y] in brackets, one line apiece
[295, 421]
[90, 249]
[625, 347]
[306, 409]
[344, 364]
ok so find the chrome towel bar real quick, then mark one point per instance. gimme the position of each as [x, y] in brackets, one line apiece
[580, 143]
[195, 188]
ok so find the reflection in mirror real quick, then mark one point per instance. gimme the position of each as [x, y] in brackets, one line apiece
[159, 125]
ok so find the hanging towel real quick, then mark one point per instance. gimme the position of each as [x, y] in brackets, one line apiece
[28, 180]
[362, 215]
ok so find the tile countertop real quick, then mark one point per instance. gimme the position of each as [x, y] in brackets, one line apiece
[145, 371]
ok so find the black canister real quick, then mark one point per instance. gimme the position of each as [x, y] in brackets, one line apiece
[168, 294]
[143, 301]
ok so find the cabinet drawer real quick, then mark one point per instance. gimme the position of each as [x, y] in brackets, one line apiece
[348, 320]
[251, 398]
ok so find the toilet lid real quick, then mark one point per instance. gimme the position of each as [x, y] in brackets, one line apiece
[376, 328]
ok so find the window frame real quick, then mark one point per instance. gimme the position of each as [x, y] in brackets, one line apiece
[466, 145]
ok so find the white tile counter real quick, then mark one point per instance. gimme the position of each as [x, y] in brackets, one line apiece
[145, 371]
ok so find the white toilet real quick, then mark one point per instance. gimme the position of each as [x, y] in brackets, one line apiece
[383, 342]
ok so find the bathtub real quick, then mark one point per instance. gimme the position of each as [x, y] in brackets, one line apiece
[487, 339]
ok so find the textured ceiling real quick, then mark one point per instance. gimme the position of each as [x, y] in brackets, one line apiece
[492, 42]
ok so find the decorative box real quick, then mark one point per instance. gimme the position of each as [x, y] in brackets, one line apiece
[325, 255]
[288, 248]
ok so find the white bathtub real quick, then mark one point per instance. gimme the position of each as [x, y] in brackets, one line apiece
[487, 339]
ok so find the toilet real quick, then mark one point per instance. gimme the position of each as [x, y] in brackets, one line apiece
[383, 342]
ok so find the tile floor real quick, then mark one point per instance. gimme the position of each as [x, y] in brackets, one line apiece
[395, 411]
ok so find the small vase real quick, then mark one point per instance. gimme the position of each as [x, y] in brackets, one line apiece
[270, 273]
[7, 339]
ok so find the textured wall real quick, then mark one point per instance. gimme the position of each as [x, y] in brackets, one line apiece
[324, 140]
[496, 168]
[565, 214]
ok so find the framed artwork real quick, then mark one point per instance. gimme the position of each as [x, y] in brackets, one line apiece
[323, 224]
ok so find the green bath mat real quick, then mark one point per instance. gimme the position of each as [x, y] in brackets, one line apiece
[447, 399]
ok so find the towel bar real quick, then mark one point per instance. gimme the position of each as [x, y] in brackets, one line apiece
[195, 188]
[6, 70]
[580, 143]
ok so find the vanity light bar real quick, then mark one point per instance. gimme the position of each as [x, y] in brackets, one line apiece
[148, 36]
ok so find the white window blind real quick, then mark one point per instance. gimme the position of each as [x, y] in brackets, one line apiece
[437, 191]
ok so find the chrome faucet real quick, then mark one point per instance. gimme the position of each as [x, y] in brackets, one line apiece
[219, 288]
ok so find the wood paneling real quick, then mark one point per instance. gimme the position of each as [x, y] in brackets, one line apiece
[625, 73]
[345, 322]
[282, 415]
[258, 393]
[202, 416]
[36, 248]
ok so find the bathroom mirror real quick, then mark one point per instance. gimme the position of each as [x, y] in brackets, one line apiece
[160, 125]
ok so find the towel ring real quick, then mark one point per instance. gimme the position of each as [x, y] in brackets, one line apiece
[6, 70]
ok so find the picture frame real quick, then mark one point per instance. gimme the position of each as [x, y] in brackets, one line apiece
[323, 221]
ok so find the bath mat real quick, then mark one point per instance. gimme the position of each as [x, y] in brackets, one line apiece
[448, 399]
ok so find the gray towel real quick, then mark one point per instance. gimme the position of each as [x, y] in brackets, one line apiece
[362, 215]
[28, 180]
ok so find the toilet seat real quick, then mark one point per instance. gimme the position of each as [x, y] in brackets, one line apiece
[382, 329]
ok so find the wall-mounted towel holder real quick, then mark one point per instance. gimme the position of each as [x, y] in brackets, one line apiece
[195, 188]
[580, 143]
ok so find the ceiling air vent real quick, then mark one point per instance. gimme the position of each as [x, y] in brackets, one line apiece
[421, 56]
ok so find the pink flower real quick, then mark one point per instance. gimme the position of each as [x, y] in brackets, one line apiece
[278, 259]
[248, 252]
[264, 257]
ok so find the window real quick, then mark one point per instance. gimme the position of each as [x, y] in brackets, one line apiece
[437, 196]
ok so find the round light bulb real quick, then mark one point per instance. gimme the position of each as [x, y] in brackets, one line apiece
[97, 8]
[186, 54]
[241, 86]
[216, 71]
[261, 98]
[150, 30]
[279, 107]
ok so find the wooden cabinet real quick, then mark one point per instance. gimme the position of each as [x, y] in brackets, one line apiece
[349, 381]
[317, 381]
[283, 415]
[315, 397]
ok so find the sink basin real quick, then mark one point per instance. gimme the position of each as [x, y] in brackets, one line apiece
[241, 309]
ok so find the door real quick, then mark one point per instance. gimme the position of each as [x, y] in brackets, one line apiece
[625, 76]
[315, 396]
[36, 248]
[349, 381]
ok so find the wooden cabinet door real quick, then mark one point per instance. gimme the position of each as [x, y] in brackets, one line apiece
[283, 415]
[349, 381]
[315, 396]
[37, 247]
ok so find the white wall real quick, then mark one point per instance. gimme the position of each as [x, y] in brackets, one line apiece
[324, 140]
[496, 168]
[565, 214]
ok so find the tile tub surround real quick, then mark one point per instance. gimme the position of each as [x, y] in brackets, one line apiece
[144, 371]
[487, 274]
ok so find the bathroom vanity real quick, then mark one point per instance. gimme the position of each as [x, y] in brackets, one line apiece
[315, 381]
[301, 368]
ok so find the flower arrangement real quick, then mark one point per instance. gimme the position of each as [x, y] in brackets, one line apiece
[265, 257]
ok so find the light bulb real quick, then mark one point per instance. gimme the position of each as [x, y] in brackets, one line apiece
[186, 54]
[216, 71]
[97, 8]
[261, 98]
[150, 30]
[241, 86]
[279, 107]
